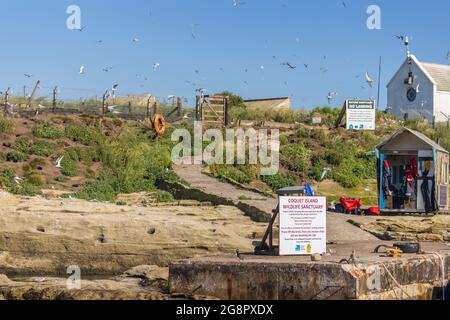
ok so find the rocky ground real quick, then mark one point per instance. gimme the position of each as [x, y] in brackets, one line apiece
[138, 283]
[41, 236]
[430, 229]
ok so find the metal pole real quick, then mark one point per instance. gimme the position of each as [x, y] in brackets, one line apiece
[55, 96]
[7, 99]
[379, 84]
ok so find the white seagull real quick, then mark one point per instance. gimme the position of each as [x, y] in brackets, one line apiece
[17, 180]
[82, 69]
[331, 96]
[369, 80]
[58, 162]
[156, 66]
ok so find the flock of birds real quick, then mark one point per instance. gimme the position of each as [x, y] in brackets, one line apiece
[369, 80]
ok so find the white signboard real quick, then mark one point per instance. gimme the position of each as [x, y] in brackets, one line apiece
[317, 120]
[361, 115]
[303, 225]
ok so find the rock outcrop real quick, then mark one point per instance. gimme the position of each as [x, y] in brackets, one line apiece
[45, 237]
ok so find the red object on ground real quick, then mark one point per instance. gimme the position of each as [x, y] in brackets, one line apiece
[374, 211]
[351, 205]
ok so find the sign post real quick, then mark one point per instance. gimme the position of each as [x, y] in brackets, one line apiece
[361, 115]
[303, 225]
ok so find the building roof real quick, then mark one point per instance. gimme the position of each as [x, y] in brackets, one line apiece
[419, 135]
[270, 103]
[440, 74]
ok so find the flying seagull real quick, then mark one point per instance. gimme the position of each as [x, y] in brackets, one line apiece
[324, 173]
[156, 65]
[289, 65]
[28, 75]
[237, 3]
[82, 68]
[136, 40]
[369, 80]
[331, 96]
[58, 162]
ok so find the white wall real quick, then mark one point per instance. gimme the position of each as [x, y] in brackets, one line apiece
[442, 105]
[397, 89]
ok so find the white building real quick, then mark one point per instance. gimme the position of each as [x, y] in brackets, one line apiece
[420, 89]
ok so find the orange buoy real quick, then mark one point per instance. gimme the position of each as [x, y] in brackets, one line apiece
[159, 125]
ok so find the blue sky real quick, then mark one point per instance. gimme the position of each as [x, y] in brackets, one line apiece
[230, 46]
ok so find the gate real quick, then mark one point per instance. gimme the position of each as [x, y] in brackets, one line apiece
[212, 110]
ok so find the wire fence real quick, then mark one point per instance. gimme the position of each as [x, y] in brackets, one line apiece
[43, 100]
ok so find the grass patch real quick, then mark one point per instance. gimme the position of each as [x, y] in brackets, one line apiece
[6, 125]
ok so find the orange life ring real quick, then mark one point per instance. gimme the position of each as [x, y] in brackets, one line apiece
[159, 125]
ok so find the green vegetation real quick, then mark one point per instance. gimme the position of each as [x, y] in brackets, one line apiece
[16, 156]
[6, 125]
[25, 188]
[46, 131]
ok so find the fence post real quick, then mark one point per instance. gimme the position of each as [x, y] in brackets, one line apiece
[180, 106]
[104, 102]
[148, 106]
[197, 108]
[7, 99]
[155, 108]
[55, 96]
[36, 87]
[129, 107]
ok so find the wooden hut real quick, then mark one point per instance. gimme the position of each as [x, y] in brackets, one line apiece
[413, 174]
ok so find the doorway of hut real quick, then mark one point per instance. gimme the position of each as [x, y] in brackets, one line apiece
[408, 181]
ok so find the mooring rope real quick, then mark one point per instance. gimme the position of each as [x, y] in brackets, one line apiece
[396, 282]
[442, 268]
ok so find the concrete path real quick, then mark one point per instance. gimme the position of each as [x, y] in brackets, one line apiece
[339, 230]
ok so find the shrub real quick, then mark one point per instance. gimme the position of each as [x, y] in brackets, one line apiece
[297, 157]
[46, 131]
[23, 145]
[42, 148]
[231, 172]
[279, 181]
[36, 180]
[101, 190]
[163, 196]
[82, 134]
[69, 167]
[353, 171]
[16, 156]
[24, 189]
[74, 153]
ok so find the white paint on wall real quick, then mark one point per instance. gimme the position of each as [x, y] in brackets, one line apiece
[397, 93]
[442, 106]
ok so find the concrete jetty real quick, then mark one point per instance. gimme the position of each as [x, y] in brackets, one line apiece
[372, 277]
